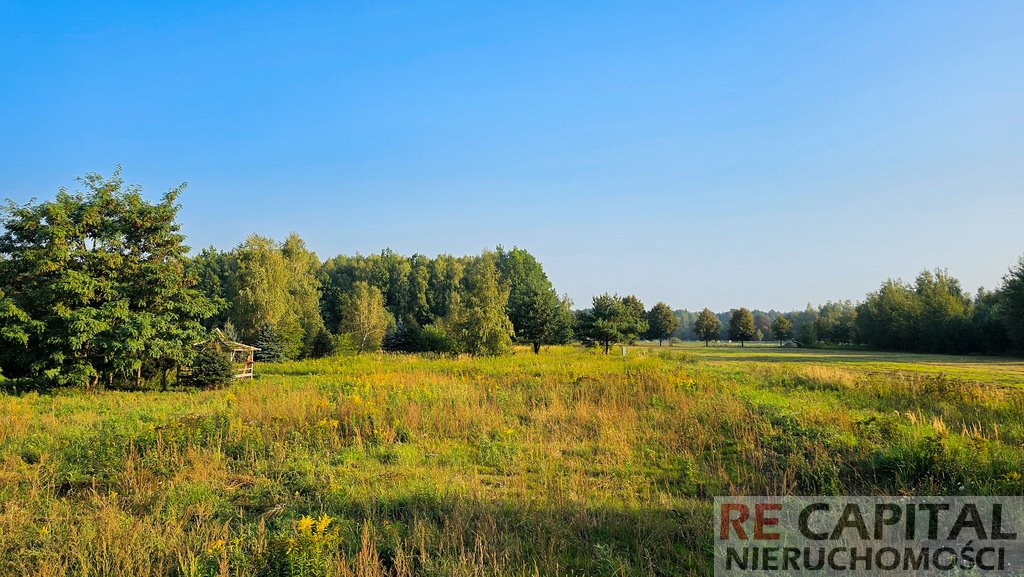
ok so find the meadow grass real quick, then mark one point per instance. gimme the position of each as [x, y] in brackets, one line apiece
[564, 463]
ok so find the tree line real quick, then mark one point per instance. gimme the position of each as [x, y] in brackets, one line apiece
[931, 315]
[97, 287]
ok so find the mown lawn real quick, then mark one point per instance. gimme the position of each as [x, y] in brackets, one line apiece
[564, 463]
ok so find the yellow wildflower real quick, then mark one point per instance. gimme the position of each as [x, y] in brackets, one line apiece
[322, 523]
[44, 531]
[305, 524]
[215, 546]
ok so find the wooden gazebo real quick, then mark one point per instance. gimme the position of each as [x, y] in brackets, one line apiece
[241, 353]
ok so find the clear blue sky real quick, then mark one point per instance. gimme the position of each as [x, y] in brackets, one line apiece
[723, 155]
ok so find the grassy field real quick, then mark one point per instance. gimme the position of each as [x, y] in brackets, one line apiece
[566, 463]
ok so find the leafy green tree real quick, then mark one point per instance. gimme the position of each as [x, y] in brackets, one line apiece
[277, 284]
[446, 274]
[763, 323]
[303, 289]
[807, 335]
[1011, 307]
[990, 335]
[477, 322]
[435, 339]
[945, 313]
[96, 286]
[782, 328]
[661, 322]
[835, 322]
[707, 326]
[211, 269]
[741, 326]
[365, 320]
[636, 315]
[538, 315]
[259, 287]
[610, 320]
[888, 318]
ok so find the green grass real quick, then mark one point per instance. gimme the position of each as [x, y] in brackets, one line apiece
[566, 463]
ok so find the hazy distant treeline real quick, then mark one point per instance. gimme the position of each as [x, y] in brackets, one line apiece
[932, 314]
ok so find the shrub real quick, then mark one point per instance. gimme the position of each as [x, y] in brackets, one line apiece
[323, 345]
[435, 339]
[211, 368]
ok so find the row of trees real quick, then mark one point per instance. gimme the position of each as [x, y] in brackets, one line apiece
[280, 293]
[932, 314]
[97, 287]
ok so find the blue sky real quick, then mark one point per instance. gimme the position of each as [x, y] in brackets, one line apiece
[717, 154]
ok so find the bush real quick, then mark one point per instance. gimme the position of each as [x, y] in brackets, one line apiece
[323, 345]
[403, 337]
[211, 368]
[435, 339]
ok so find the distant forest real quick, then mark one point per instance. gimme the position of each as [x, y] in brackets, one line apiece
[98, 287]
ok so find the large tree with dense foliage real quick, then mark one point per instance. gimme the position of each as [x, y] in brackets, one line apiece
[610, 320]
[888, 318]
[303, 289]
[944, 323]
[661, 322]
[782, 329]
[741, 325]
[1011, 307]
[276, 284]
[477, 322]
[539, 317]
[707, 326]
[365, 320]
[636, 315]
[95, 286]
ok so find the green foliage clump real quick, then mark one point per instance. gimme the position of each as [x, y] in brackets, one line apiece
[211, 368]
[741, 325]
[707, 326]
[612, 319]
[477, 322]
[434, 339]
[782, 328]
[94, 285]
[365, 321]
[270, 344]
[661, 322]
[323, 345]
[1011, 304]
[539, 317]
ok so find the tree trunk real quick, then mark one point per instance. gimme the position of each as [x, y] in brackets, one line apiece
[607, 346]
[707, 343]
[536, 348]
[138, 377]
[742, 344]
[163, 379]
